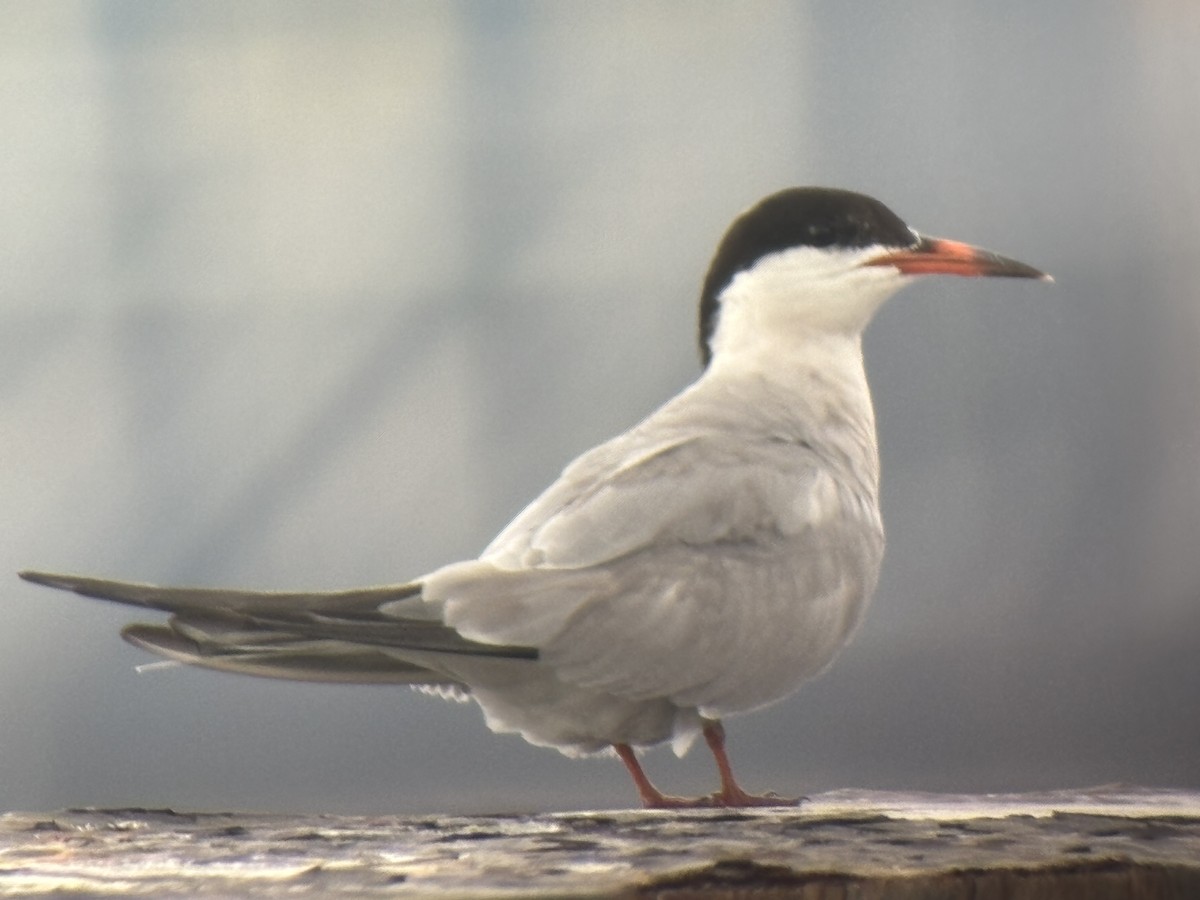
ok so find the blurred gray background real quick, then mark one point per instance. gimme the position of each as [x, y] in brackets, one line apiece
[314, 295]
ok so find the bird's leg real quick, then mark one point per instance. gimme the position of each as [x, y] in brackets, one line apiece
[731, 793]
[652, 797]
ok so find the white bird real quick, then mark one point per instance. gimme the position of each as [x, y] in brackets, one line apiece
[705, 562]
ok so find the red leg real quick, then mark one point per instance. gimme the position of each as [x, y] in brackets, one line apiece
[731, 794]
[652, 797]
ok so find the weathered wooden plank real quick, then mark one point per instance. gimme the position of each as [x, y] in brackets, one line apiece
[1100, 844]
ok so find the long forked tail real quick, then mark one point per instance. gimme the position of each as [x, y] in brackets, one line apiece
[338, 636]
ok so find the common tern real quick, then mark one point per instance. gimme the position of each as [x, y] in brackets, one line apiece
[706, 562]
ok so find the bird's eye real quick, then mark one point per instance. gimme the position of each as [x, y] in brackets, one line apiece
[820, 234]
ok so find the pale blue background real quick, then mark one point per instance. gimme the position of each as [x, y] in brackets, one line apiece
[312, 295]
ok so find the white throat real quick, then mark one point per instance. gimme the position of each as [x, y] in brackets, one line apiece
[799, 296]
[790, 328]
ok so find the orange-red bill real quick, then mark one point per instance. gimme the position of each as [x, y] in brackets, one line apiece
[937, 256]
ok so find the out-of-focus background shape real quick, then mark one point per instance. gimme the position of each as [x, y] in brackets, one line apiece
[312, 295]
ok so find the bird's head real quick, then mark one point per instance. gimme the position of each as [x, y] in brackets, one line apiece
[821, 261]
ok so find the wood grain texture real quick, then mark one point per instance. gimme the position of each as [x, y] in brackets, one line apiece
[1100, 844]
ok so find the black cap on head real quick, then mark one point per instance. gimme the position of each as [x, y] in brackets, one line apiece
[796, 217]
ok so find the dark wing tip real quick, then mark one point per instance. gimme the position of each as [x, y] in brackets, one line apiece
[97, 588]
[63, 582]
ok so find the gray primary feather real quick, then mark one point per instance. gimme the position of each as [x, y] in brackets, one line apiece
[175, 599]
[295, 661]
[335, 636]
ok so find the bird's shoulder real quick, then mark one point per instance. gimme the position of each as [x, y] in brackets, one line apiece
[693, 478]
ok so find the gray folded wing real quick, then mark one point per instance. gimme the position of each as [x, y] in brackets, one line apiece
[337, 636]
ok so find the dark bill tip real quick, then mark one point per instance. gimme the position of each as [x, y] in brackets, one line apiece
[937, 256]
